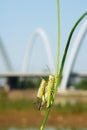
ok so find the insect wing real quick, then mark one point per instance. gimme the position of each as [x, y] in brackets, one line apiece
[38, 103]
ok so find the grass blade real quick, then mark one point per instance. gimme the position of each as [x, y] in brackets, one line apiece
[68, 42]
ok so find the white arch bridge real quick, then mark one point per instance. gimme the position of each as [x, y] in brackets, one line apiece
[24, 69]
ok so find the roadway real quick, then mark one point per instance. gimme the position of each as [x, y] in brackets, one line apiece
[22, 74]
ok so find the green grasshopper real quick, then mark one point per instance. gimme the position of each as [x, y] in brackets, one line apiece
[41, 94]
[49, 89]
[45, 93]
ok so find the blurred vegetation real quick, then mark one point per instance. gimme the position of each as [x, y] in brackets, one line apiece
[7, 104]
[82, 85]
[26, 104]
[79, 85]
[24, 83]
[21, 104]
[71, 108]
[17, 104]
[34, 82]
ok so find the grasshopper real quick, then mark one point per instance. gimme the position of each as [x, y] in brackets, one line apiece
[41, 94]
[45, 93]
[49, 89]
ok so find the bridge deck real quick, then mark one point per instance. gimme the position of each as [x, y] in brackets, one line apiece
[22, 74]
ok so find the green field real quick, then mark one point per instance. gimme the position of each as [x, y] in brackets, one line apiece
[25, 104]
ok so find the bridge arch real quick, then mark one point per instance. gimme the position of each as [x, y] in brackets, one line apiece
[72, 56]
[46, 44]
[5, 56]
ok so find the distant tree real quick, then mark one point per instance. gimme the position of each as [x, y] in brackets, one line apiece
[82, 85]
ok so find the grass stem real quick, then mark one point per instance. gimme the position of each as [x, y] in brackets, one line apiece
[45, 119]
[58, 47]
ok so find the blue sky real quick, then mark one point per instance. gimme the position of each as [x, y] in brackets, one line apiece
[20, 18]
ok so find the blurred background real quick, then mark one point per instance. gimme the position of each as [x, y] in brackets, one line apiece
[28, 47]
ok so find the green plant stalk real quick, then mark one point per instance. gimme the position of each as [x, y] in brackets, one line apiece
[58, 77]
[57, 62]
[68, 42]
[58, 48]
[45, 118]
